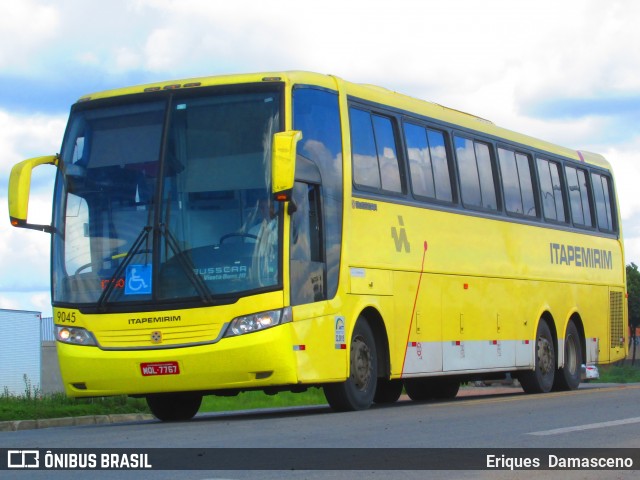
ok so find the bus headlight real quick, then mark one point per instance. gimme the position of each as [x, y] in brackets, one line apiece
[74, 335]
[258, 321]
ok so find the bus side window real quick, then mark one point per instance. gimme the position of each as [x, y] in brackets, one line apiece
[440, 162]
[476, 174]
[307, 268]
[604, 210]
[579, 196]
[375, 158]
[551, 190]
[428, 163]
[387, 154]
[366, 172]
[517, 183]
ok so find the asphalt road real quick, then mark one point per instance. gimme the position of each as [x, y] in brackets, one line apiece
[595, 416]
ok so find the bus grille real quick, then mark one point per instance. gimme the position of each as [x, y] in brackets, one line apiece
[616, 317]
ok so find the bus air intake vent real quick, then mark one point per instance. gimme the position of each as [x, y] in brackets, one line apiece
[616, 318]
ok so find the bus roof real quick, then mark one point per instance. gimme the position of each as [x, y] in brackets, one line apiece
[370, 93]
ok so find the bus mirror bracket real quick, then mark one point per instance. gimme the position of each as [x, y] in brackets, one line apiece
[19, 189]
[283, 164]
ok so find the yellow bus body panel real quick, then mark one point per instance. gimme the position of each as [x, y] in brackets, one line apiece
[456, 291]
[485, 285]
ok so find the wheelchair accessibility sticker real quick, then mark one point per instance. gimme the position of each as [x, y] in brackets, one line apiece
[138, 280]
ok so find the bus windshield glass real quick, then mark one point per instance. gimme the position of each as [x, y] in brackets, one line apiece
[167, 201]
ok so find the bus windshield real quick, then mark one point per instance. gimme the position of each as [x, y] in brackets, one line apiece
[167, 201]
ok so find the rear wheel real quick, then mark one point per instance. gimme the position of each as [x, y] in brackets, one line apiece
[540, 379]
[422, 389]
[358, 391]
[174, 407]
[418, 389]
[568, 377]
[446, 389]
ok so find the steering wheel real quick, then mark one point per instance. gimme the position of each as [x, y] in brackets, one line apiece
[83, 267]
[237, 234]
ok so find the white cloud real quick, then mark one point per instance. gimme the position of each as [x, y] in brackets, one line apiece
[24, 136]
[31, 301]
[624, 160]
[632, 244]
[25, 256]
[88, 58]
[125, 59]
[590, 51]
[456, 48]
[25, 27]
[24, 283]
[165, 48]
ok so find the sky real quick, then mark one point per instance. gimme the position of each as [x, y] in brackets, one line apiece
[565, 71]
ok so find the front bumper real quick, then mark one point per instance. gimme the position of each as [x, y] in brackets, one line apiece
[254, 360]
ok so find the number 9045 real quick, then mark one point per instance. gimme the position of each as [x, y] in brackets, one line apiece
[66, 317]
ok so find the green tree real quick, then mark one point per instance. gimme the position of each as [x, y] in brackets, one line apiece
[633, 289]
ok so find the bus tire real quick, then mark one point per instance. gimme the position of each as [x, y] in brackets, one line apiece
[358, 390]
[568, 377]
[446, 388]
[174, 407]
[388, 391]
[418, 389]
[540, 379]
[423, 389]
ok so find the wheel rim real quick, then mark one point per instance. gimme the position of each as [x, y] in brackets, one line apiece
[361, 362]
[545, 356]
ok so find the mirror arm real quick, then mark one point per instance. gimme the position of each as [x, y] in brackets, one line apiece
[32, 226]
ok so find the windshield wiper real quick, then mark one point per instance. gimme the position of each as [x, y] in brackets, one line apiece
[139, 241]
[183, 261]
[186, 265]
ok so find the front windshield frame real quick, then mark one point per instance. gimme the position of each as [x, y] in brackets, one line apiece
[162, 239]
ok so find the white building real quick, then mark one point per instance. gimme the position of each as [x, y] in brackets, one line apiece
[20, 352]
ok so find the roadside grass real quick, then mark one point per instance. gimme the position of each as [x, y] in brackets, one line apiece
[32, 404]
[619, 373]
[253, 400]
[57, 405]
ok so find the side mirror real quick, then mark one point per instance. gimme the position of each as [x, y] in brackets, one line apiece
[283, 164]
[19, 189]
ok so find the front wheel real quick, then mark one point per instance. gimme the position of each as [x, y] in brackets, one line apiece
[540, 379]
[357, 392]
[174, 407]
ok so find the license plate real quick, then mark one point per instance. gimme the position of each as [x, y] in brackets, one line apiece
[160, 368]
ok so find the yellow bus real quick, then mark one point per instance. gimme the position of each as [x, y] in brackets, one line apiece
[278, 231]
